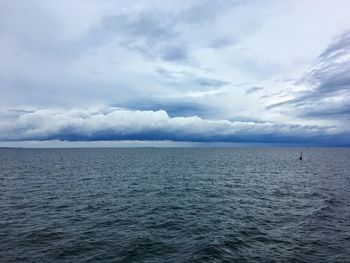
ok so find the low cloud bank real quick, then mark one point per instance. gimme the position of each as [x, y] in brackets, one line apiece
[123, 124]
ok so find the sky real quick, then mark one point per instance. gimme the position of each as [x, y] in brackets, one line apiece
[168, 73]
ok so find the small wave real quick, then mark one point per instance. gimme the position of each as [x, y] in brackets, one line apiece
[226, 250]
[43, 236]
[142, 248]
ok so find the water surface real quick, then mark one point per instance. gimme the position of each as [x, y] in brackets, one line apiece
[175, 205]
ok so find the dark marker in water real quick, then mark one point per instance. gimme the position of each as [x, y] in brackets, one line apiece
[301, 156]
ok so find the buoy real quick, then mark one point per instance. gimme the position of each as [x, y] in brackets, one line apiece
[301, 156]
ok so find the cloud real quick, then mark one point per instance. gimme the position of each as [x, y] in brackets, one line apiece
[184, 59]
[173, 107]
[143, 31]
[253, 89]
[123, 124]
[190, 81]
[166, 30]
[51, 53]
[328, 85]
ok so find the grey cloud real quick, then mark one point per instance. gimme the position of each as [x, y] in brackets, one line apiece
[203, 11]
[164, 33]
[338, 48]
[152, 35]
[221, 42]
[174, 53]
[184, 79]
[273, 95]
[52, 53]
[331, 111]
[173, 107]
[146, 26]
[210, 82]
[253, 89]
[329, 82]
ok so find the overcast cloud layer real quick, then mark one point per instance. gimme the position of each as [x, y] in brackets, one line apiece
[193, 71]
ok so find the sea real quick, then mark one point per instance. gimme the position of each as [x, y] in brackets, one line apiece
[175, 205]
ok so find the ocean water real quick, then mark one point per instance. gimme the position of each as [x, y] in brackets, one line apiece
[175, 205]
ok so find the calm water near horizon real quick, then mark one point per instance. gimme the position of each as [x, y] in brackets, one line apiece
[175, 205]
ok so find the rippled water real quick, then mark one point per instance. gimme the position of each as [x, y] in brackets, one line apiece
[174, 205]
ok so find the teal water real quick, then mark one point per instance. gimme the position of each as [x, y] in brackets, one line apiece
[175, 205]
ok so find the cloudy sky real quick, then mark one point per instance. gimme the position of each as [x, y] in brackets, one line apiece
[174, 72]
